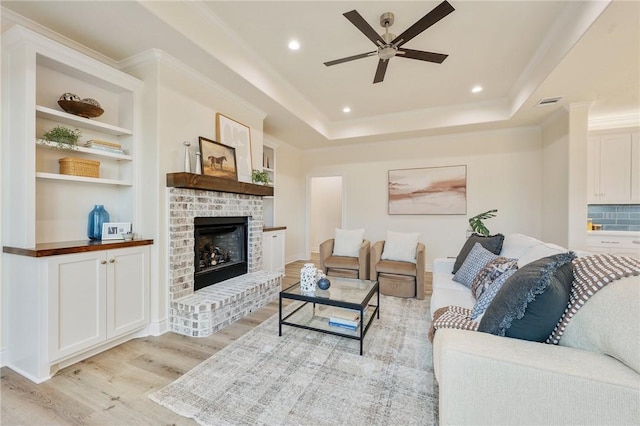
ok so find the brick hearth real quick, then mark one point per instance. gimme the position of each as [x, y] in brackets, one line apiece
[204, 312]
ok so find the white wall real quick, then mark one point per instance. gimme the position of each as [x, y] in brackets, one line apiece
[504, 171]
[290, 199]
[325, 209]
[555, 179]
[577, 165]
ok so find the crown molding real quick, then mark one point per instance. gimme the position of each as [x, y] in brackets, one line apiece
[10, 19]
[161, 57]
[620, 122]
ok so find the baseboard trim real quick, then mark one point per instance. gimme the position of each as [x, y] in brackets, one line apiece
[154, 328]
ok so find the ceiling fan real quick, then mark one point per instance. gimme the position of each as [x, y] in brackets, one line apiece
[388, 45]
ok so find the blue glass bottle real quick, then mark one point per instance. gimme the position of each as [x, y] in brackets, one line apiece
[97, 217]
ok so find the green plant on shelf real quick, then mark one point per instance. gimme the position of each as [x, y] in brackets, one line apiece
[477, 225]
[63, 137]
[260, 177]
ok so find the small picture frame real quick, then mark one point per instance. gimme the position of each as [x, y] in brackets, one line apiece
[217, 159]
[114, 230]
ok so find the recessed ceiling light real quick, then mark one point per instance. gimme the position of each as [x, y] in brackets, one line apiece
[476, 89]
[346, 109]
[294, 45]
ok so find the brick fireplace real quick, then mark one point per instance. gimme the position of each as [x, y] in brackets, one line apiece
[203, 312]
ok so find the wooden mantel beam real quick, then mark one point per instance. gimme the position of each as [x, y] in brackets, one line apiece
[211, 183]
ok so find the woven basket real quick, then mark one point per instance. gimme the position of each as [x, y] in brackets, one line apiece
[79, 167]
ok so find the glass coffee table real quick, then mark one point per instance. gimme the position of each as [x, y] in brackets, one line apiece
[347, 297]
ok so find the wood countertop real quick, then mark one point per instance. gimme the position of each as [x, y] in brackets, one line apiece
[70, 247]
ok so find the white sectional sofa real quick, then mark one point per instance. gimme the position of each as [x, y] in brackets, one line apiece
[485, 379]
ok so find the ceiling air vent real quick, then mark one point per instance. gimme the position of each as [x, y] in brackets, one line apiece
[549, 101]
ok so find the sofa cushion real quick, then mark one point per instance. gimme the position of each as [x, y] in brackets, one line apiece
[396, 268]
[493, 243]
[532, 300]
[609, 323]
[348, 242]
[446, 292]
[342, 262]
[487, 296]
[400, 246]
[515, 245]
[538, 252]
[476, 260]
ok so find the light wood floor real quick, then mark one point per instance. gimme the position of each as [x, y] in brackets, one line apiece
[112, 388]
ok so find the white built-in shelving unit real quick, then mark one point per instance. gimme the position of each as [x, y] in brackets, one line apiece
[66, 298]
[269, 166]
[44, 206]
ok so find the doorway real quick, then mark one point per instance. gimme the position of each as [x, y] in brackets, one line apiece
[325, 209]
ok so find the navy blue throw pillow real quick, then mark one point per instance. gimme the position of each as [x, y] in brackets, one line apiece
[532, 300]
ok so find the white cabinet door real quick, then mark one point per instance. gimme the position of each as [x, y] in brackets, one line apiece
[617, 245]
[629, 253]
[77, 312]
[615, 168]
[273, 251]
[96, 296]
[593, 169]
[127, 303]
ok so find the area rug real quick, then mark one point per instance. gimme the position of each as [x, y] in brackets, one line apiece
[310, 378]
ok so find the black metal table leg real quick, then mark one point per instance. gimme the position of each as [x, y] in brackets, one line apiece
[361, 329]
[280, 317]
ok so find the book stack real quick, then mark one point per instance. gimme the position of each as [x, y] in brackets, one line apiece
[340, 317]
[112, 147]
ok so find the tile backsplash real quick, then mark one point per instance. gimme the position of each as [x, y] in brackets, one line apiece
[615, 217]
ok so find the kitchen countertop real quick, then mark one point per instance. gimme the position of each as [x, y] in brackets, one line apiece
[273, 228]
[615, 233]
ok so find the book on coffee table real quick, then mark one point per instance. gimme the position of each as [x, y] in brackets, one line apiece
[342, 325]
[343, 322]
[337, 313]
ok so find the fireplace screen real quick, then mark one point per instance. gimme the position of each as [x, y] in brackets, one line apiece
[220, 249]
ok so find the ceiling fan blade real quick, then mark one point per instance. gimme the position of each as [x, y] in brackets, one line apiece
[438, 58]
[356, 19]
[439, 12]
[350, 58]
[382, 69]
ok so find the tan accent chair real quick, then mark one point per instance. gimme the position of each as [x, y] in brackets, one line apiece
[343, 266]
[400, 279]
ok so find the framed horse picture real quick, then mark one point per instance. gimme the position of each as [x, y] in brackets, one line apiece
[217, 159]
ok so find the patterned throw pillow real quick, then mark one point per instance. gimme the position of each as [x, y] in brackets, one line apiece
[476, 260]
[493, 243]
[489, 273]
[487, 296]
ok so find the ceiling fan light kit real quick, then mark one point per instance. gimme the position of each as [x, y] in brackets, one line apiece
[388, 45]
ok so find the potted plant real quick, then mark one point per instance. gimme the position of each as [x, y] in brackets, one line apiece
[476, 225]
[260, 177]
[63, 137]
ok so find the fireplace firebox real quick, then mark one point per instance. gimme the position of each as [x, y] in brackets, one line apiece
[220, 249]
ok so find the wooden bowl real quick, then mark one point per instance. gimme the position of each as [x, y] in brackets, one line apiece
[82, 109]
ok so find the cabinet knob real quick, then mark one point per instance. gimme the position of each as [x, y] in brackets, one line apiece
[103, 262]
[112, 260]
[636, 241]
